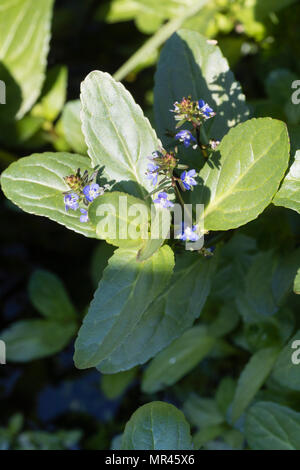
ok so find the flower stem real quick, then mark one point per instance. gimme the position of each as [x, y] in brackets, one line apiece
[185, 211]
[202, 137]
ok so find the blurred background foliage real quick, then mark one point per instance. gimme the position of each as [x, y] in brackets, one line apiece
[46, 402]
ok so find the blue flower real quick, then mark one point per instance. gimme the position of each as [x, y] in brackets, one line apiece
[186, 137]
[91, 191]
[152, 173]
[84, 217]
[205, 109]
[71, 201]
[188, 234]
[163, 201]
[187, 179]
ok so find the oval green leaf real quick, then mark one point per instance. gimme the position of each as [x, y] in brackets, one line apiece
[252, 378]
[24, 44]
[117, 133]
[157, 426]
[168, 315]
[124, 293]
[245, 173]
[36, 185]
[270, 426]
[177, 360]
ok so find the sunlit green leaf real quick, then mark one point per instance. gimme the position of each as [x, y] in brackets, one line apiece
[167, 316]
[244, 174]
[36, 185]
[71, 125]
[126, 290]
[117, 133]
[24, 43]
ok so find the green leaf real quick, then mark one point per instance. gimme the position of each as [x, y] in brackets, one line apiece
[115, 385]
[278, 85]
[119, 218]
[100, 258]
[189, 65]
[34, 339]
[117, 133]
[202, 412]
[71, 125]
[161, 223]
[226, 321]
[286, 372]
[177, 360]
[249, 165]
[270, 426]
[53, 94]
[207, 434]
[157, 426]
[297, 283]
[24, 43]
[268, 281]
[48, 295]
[252, 378]
[36, 185]
[235, 257]
[168, 316]
[289, 193]
[123, 295]
[234, 439]
[225, 394]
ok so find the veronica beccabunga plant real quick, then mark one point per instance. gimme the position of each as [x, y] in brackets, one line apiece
[157, 301]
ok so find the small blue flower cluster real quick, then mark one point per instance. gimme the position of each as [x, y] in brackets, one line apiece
[82, 190]
[71, 201]
[205, 110]
[195, 112]
[162, 201]
[91, 192]
[188, 233]
[188, 180]
[152, 173]
[163, 163]
[187, 138]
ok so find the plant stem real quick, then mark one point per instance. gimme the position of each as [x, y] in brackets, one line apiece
[204, 138]
[183, 205]
[157, 40]
[178, 195]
